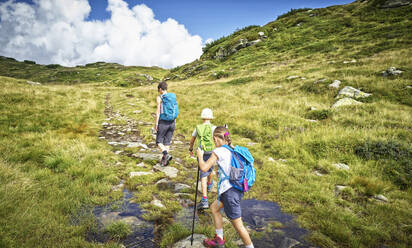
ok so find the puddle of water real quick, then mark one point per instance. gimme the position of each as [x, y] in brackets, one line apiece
[258, 214]
[142, 231]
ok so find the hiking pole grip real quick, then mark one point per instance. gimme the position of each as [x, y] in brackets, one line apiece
[194, 210]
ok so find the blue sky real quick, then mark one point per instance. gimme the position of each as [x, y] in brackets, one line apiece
[214, 18]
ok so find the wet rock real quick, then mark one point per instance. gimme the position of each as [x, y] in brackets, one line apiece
[147, 156]
[179, 187]
[139, 173]
[157, 203]
[288, 243]
[381, 198]
[341, 166]
[168, 170]
[109, 218]
[349, 91]
[335, 84]
[345, 102]
[186, 243]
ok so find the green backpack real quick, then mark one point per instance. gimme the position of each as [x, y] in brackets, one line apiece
[205, 137]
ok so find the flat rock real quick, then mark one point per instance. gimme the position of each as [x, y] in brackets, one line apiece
[345, 102]
[197, 242]
[341, 166]
[179, 187]
[164, 184]
[147, 156]
[139, 173]
[168, 170]
[349, 91]
[108, 218]
[141, 165]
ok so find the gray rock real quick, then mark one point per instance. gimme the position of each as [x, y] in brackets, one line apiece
[335, 84]
[381, 198]
[118, 152]
[349, 91]
[168, 170]
[164, 184]
[392, 71]
[139, 173]
[320, 80]
[271, 159]
[254, 42]
[409, 87]
[137, 112]
[395, 3]
[108, 218]
[141, 165]
[197, 242]
[292, 77]
[180, 186]
[318, 173]
[345, 102]
[102, 138]
[147, 156]
[341, 166]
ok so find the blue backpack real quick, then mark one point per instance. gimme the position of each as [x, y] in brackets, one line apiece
[170, 108]
[242, 173]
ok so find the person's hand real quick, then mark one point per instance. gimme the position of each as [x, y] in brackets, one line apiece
[200, 153]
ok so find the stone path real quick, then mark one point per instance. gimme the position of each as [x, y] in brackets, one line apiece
[122, 132]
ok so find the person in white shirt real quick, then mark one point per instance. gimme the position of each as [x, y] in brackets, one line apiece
[229, 197]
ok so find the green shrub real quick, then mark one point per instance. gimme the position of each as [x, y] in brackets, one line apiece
[395, 158]
[29, 62]
[319, 114]
[118, 230]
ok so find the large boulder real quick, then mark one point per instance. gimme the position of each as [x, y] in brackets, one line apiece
[349, 91]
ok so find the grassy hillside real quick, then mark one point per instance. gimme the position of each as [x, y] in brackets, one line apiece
[99, 72]
[52, 163]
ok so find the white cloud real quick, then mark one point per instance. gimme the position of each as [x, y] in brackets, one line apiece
[56, 32]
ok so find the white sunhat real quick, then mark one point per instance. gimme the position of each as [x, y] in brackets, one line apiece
[207, 114]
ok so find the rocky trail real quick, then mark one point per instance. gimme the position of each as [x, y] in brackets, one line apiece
[123, 133]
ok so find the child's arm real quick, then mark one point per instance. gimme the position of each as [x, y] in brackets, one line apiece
[159, 101]
[205, 166]
[192, 142]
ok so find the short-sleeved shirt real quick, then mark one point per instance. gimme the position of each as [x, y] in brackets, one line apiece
[224, 159]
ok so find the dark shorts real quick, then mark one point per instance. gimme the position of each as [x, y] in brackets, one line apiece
[231, 203]
[206, 156]
[165, 131]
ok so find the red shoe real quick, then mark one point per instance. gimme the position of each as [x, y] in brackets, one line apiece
[215, 242]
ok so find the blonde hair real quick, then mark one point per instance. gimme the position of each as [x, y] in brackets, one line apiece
[223, 134]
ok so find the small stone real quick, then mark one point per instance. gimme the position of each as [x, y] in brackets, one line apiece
[312, 120]
[118, 152]
[137, 111]
[381, 198]
[139, 173]
[289, 243]
[339, 188]
[118, 163]
[105, 124]
[271, 159]
[349, 91]
[318, 173]
[33, 83]
[335, 84]
[292, 77]
[409, 87]
[345, 102]
[102, 138]
[186, 243]
[140, 165]
[341, 166]
[251, 144]
[180, 187]
[177, 142]
[157, 203]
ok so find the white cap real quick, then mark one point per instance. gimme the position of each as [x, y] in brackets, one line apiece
[207, 114]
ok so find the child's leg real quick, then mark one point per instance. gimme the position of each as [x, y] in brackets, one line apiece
[203, 182]
[209, 178]
[243, 233]
[217, 217]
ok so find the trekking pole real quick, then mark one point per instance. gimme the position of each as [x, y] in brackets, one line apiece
[194, 210]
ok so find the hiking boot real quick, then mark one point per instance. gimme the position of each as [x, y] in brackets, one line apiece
[167, 159]
[209, 186]
[203, 204]
[215, 242]
[162, 162]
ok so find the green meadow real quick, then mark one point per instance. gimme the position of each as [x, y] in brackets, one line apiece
[54, 168]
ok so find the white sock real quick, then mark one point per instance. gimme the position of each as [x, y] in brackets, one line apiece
[219, 233]
[249, 246]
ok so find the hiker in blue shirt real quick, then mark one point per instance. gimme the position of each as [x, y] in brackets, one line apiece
[166, 114]
[229, 197]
